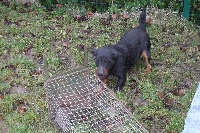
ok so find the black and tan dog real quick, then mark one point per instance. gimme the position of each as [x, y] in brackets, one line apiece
[117, 59]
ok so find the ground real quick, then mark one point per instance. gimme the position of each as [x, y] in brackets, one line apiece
[159, 100]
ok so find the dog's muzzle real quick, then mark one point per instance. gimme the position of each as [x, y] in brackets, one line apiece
[102, 73]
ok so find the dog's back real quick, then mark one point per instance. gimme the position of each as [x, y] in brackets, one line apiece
[135, 39]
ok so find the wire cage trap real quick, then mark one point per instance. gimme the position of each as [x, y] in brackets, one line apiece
[78, 102]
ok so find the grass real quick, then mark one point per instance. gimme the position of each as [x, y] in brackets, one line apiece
[154, 98]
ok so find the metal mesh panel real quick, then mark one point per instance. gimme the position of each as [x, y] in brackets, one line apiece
[80, 103]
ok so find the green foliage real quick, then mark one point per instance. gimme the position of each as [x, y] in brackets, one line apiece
[113, 9]
[176, 122]
[148, 90]
[102, 6]
[48, 3]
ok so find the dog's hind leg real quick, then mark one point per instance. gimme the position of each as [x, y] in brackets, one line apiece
[147, 57]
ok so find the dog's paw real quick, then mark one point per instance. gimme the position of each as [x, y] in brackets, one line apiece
[105, 81]
[118, 90]
[148, 69]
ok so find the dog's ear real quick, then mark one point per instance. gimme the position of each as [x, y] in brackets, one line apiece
[116, 54]
[94, 51]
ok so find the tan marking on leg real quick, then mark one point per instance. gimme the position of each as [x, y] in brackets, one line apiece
[148, 69]
[105, 81]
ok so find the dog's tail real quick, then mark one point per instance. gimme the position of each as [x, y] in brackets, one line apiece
[142, 19]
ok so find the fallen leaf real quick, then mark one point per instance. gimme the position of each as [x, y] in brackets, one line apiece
[160, 95]
[6, 3]
[80, 18]
[29, 10]
[162, 117]
[59, 5]
[114, 16]
[36, 72]
[22, 109]
[20, 102]
[18, 22]
[27, 51]
[168, 102]
[1, 97]
[149, 118]
[105, 22]
[179, 91]
[126, 16]
[65, 44]
[89, 14]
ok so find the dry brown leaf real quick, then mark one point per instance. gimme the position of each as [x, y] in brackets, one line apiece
[160, 95]
[178, 92]
[126, 16]
[59, 5]
[1, 97]
[22, 110]
[90, 14]
[114, 16]
[65, 44]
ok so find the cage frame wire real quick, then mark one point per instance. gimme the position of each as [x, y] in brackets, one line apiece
[94, 96]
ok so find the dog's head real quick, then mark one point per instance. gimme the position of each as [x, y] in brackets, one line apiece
[105, 58]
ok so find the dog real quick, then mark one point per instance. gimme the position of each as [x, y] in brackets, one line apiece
[119, 58]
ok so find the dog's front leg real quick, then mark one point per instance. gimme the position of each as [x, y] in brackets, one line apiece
[120, 83]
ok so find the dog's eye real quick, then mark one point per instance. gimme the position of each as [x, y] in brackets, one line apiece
[106, 60]
[99, 59]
